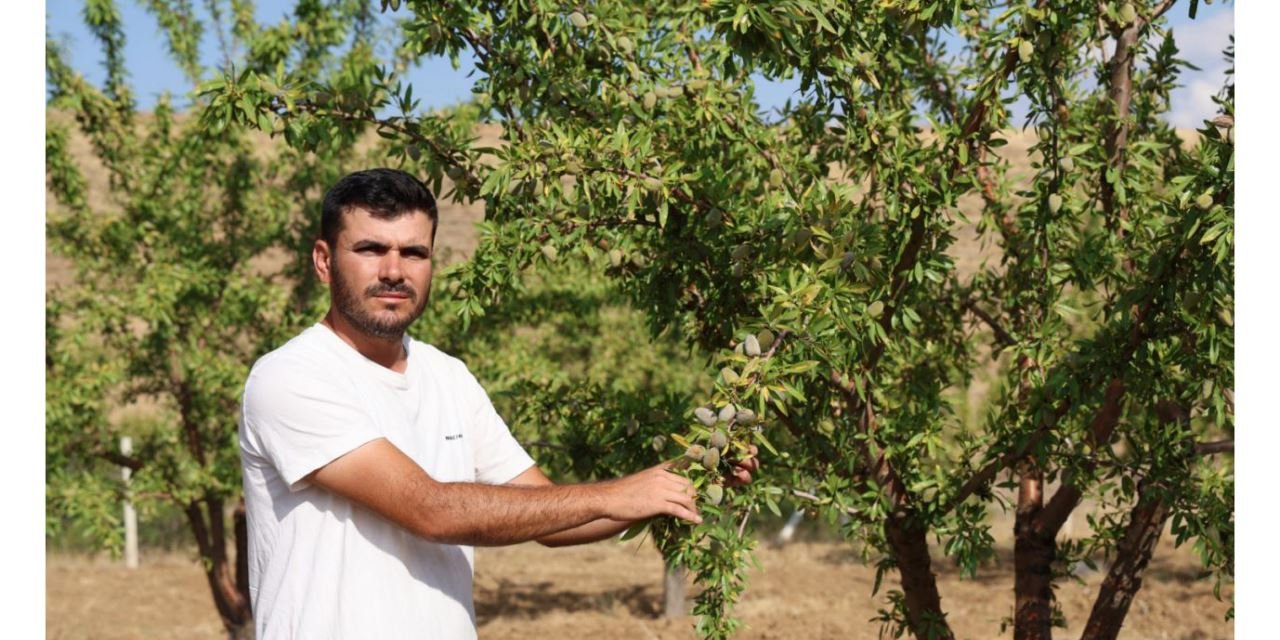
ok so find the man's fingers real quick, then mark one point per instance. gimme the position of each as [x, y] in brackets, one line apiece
[739, 477]
[682, 506]
[687, 515]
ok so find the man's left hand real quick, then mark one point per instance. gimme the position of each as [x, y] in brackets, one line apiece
[741, 472]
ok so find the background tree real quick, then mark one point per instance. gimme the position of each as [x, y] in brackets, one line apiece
[177, 289]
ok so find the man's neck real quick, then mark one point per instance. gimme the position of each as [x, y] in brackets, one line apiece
[388, 352]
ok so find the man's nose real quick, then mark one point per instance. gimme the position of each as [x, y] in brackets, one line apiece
[391, 269]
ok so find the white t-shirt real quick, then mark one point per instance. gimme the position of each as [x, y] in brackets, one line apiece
[321, 566]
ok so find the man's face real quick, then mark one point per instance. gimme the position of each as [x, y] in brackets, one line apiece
[379, 272]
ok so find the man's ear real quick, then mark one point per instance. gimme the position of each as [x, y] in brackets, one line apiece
[320, 256]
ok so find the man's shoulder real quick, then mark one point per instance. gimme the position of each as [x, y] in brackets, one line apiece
[309, 352]
[433, 356]
[437, 361]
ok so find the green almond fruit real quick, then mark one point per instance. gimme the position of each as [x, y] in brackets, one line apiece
[741, 349]
[625, 45]
[652, 184]
[549, 252]
[713, 219]
[710, 458]
[745, 416]
[775, 178]
[455, 173]
[633, 426]
[1204, 201]
[846, 261]
[765, 338]
[739, 270]
[1128, 14]
[695, 452]
[696, 85]
[639, 260]
[729, 375]
[1055, 202]
[1067, 163]
[649, 100]
[578, 20]
[719, 439]
[801, 237]
[727, 413]
[1025, 51]
[1191, 302]
[616, 257]
[741, 252]
[715, 494]
[875, 309]
[706, 416]
[659, 442]
[753, 346]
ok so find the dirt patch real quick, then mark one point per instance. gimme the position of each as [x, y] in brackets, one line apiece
[805, 590]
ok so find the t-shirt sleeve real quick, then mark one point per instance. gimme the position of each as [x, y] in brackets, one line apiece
[499, 457]
[299, 419]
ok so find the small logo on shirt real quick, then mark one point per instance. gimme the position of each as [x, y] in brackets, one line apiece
[455, 436]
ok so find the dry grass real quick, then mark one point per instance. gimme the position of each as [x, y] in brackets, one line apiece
[804, 590]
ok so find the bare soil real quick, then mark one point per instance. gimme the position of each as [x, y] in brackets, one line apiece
[808, 589]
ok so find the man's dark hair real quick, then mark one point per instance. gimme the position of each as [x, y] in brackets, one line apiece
[384, 193]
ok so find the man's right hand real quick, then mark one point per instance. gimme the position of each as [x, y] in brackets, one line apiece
[654, 491]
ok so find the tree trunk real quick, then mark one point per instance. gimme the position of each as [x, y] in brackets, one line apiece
[228, 583]
[1146, 523]
[919, 585]
[673, 599]
[1033, 555]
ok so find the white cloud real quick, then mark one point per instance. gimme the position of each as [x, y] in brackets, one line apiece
[1200, 42]
[1193, 103]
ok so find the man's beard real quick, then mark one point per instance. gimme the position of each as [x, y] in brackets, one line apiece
[348, 305]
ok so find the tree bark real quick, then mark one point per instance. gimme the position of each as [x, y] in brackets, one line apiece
[229, 590]
[1034, 551]
[925, 617]
[1124, 579]
[673, 597]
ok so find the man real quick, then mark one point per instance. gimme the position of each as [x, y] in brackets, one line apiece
[373, 462]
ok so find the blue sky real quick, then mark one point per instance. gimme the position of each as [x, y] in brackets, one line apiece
[152, 71]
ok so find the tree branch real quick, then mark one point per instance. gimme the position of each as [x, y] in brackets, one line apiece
[1217, 446]
[1002, 336]
[1067, 497]
[805, 495]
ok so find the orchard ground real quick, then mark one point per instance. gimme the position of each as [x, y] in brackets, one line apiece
[815, 588]
[808, 589]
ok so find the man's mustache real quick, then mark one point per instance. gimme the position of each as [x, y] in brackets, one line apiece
[402, 288]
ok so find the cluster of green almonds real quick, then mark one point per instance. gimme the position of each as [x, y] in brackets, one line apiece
[709, 455]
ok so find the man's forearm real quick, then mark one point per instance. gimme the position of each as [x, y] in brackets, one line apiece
[593, 531]
[488, 515]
